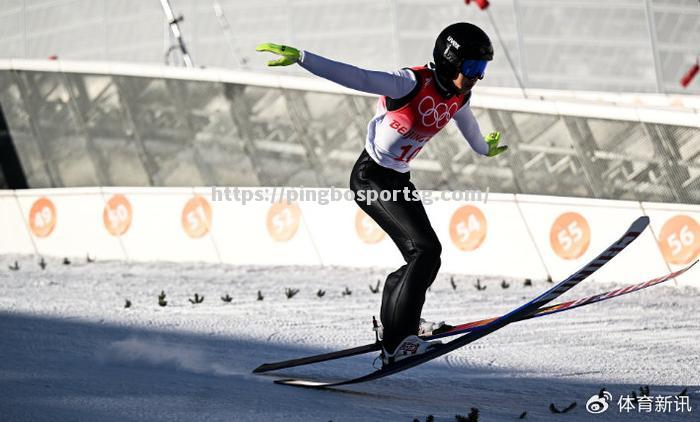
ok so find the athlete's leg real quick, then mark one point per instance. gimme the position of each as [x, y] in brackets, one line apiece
[406, 222]
[393, 281]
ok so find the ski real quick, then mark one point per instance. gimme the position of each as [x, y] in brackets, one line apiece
[469, 326]
[324, 357]
[569, 305]
[632, 233]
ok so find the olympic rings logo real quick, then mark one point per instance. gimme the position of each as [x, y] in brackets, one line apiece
[433, 115]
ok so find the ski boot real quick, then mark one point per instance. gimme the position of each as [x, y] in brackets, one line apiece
[410, 346]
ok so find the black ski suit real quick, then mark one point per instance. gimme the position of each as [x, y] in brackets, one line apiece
[406, 222]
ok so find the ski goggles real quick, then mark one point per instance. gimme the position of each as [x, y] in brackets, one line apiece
[473, 69]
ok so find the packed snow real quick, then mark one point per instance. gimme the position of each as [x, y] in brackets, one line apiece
[70, 350]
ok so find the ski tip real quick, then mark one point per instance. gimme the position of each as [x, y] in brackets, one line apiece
[262, 368]
[642, 221]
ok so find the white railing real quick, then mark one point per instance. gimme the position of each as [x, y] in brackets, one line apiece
[681, 110]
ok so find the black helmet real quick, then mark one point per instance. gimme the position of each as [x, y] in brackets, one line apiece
[456, 43]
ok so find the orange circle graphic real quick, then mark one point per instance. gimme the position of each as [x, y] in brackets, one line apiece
[679, 240]
[283, 221]
[196, 217]
[117, 215]
[468, 228]
[570, 235]
[42, 217]
[367, 229]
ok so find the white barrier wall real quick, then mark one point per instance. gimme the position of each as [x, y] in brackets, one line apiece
[676, 228]
[67, 222]
[501, 235]
[261, 233]
[167, 224]
[572, 231]
[485, 238]
[345, 235]
[14, 235]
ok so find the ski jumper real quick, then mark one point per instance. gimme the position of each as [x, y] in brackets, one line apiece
[410, 111]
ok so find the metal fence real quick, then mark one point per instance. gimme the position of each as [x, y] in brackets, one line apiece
[78, 129]
[615, 46]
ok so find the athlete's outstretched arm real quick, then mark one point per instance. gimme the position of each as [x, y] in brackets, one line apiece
[469, 127]
[391, 84]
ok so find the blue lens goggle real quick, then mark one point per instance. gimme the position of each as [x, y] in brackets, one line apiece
[473, 69]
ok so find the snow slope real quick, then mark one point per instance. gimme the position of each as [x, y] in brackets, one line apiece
[69, 350]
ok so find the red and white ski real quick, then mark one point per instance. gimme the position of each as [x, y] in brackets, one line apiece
[478, 329]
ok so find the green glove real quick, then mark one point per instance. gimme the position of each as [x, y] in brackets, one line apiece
[290, 55]
[492, 140]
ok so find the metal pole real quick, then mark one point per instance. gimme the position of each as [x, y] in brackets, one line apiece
[654, 48]
[395, 33]
[226, 28]
[521, 41]
[175, 30]
[505, 50]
